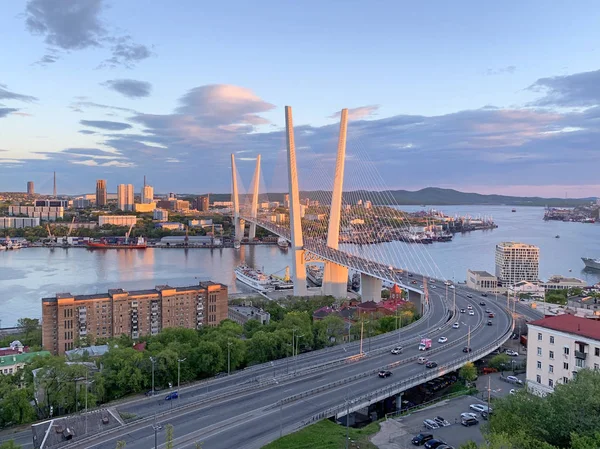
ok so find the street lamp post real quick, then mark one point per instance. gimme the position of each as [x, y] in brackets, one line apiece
[156, 427]
[280, 409]
[153, 360]
[229, 357]
[179, 375]
[297, 350]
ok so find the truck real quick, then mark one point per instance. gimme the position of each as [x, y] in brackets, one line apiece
[425, 344]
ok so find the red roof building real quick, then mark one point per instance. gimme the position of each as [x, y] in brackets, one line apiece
[571, 324]
[395, 292]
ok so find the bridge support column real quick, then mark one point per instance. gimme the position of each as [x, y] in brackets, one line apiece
[417, 300]
[238, 223]
[254, 211]
[370, 288]
[297, 247]
[335, 280]
[335, 277]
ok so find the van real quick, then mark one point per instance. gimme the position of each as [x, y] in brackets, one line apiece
[421, 360]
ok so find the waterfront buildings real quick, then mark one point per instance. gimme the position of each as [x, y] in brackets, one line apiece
[125, 197]
[559, 346]
[68, 318]
[160, 215]
[117, 220]
[43, 213]
[18, 222]
[100, 193]
[30, 189]
[532, 289]
[482, 281]
[246, 312]
[558, 282]
[517, 262]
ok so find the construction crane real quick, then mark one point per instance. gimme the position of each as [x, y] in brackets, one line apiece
[129, 232]
[51, 239]
[66, 237]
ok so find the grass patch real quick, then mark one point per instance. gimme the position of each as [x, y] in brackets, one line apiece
[125, 416]
[326, 435]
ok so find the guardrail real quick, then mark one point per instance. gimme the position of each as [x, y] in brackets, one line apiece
[410, 382]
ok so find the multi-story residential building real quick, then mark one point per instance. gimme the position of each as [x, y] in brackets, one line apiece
[201, 203]
[30, 188]
[147, 194]
[81, 203]
[144, 207]
[246, 312]
[67, 318]
[517, 262]
[18, 222]
[47, 213]
[482, 281]
[173, 204]
[559, 346]
[52, 203]
[160, 215]
[100, 193]
[125, 197]
[117, 220]
[558, 282]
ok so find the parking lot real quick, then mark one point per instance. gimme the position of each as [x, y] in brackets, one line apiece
[398, 433]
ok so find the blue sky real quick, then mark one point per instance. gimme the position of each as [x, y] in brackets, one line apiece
[494, 97]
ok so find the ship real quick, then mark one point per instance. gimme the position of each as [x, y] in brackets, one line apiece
[139, 243]
[314, 274]
[12, 245]
[593, 264]
[237, 244]
[514, 210]
[282, 243]
[253, 278]
[282, 283]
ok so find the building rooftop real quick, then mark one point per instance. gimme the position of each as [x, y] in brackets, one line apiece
[571, 324]
[21, 358]
[557, 279]
[482, 273]
[515, 245]
[91, 351]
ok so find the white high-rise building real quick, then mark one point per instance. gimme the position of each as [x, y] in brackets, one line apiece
[125, 196]
[147, 194]
[517, 262]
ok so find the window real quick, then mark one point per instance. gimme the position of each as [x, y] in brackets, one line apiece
[551, 340]
[539, 365]
[551, 355]
[539, 351]
[596, 367]
[565, 380]
[550, 368]
[597, 352]
[566, 350]
[565, 365]
[580, 363]
[539, 336]
[551, 383]
[538, 378]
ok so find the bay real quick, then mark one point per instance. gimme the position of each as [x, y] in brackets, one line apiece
[27, 275]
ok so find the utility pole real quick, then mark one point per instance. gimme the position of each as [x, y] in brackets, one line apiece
[489, 393]
[469, 338]
[297, 350]
[152, 359]
[454, 304]
[362, 329]
[156, 428]
[229, 357]
[179, 375]
[347, 417]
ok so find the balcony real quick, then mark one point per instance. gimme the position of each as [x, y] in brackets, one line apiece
[580, 355]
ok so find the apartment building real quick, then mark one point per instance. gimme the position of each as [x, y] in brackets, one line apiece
[125, 197]
[517, 262]
[68, 318]
[50, 213]
[559, 346]
[558, 282]
[101, 196]
[117, 220]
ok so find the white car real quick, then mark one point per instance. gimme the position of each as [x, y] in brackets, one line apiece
[470, 307]
[452, 287]
[397, 350]
[468, 415]
[513, 391]
[514, 379]
[433, 286]
[479, 407]
[455, 326]
[471, 312]
[442, 339]
[512, 353]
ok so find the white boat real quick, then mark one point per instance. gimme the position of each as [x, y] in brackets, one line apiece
[314, 273]
[594, 264]
[254, 278]
[237, 244]
[282, 243]
[2, 247]
[13, 245]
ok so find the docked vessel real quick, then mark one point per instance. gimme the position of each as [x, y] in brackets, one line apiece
[237, 244]
[594, 264]
[9, 244]
[282, 243]
[514, 210]
[314, 274]
[139, 243]
[254, 278]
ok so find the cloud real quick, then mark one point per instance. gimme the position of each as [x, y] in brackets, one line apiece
[86, 131]
[129, 88]
[358, 113]
[501, 70]
[8, 95]
[6, 111]
[73, 25]
[578, 90]
[79, 106]
[105, 124]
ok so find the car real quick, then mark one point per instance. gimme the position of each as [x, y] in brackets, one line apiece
[486, 415]
[469, 296]
[471, 312]
[484, 294]
[397, 350]
[452, 287]
[410, 275]
[511, 353]
[430, 424]
[433, 444]
[467, 349]
[455, 325]
[421, 439]
[421, 360]
[491, 315]
[441, 421]
[468, 415]
[489, 323]
[478, 407]
[444, 446]
[413, 282]
[488, 311]
[173, 395]
[469, 422]
[462, 310]
[482, 303]
[384, 373]
[431, 364]
[421, 286]
[433, 286]
[432, 280]
[470, 307]
[512, 391]
[442, 339]
[514, 379]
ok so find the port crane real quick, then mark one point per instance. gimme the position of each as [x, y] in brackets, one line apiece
[66, 237]
[129, 232]
[51, 238]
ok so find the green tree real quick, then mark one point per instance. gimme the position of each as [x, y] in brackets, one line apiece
[585, 442]
[263, 347]
[121, 444]
[499, 361]
[328, 331]
[169, 436]
[387, 324]
[468, 372]
[207, 359]
[125, 371]
[10, 444]
[251, 326]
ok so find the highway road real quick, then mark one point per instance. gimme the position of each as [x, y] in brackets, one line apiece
[254, 417]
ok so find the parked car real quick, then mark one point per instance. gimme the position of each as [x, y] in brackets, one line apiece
[431, 364]
[442, 339]
[486, 415]
[173, 395]
[421, 439]
[478, 407]
[484, 294]
[413, 282]
[421, 360]
[469, 422]
[441, 421]
[430, 424]
[468, 415]
[512, 391]
[511, 353]
[455, 325]
[397, 350]
[514, 379]
[488, 370]
[467, 349]
[433, 444]
[444, 446]
[384, 373]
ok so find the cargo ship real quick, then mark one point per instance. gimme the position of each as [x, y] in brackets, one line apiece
[282, 243]
[139, 243]
[593, 264]
[314, 274]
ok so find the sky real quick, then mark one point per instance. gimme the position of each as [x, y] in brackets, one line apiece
[478, 96]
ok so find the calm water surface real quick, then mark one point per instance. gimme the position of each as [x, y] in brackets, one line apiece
[30, 274]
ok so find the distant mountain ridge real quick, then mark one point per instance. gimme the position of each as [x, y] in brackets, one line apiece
[430, 196]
